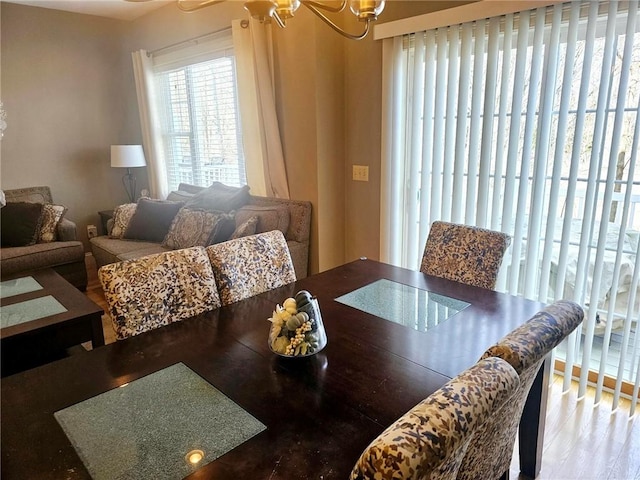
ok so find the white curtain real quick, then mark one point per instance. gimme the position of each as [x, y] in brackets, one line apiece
[150, 124]
[264, 161]
[528, 124]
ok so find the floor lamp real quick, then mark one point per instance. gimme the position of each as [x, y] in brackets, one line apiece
[128, 156]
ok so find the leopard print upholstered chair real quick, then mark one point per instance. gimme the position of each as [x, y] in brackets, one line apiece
[489, 453]
[429, 441]
[465, 254]
[247, 266]
[156, 290]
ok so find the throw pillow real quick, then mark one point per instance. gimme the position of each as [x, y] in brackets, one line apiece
[192, 228]
[151, 220]
[121, 217]
[21, 223]
[179, 196]
[224, 228]
[220, 197]
[269, 217]
[51, 216]
[246, 228]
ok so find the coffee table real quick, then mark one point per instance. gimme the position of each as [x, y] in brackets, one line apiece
[41, 315]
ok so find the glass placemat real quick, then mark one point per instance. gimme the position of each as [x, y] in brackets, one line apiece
[29, 310]
[403, 304]
[151, 427]
[9, 288]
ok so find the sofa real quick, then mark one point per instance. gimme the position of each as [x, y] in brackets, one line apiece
[59, 250]
[292, 217]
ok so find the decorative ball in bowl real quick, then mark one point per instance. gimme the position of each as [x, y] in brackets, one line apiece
[296, 327]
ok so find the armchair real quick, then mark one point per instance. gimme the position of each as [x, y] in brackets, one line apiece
[65, 255]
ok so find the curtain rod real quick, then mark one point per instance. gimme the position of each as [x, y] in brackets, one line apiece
[243, 23]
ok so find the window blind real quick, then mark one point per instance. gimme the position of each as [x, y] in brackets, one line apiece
[201, 130]
[528, 123]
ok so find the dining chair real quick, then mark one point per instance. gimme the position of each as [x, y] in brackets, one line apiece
[525, 348]
[156, 290]
[465, 254]
[247, 266]
[429, 441]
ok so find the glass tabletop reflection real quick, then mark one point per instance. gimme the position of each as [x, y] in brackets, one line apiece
[399, 303]
[165, 425]
[18, 286]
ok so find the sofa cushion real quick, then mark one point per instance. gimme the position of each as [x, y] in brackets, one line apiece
[51, 216]
[220, 197]
[180, 196]
[151, 220]
[40, 255]
[270, 218]
[21, 223]
[192, 227]
[110, 250]
[121, 217]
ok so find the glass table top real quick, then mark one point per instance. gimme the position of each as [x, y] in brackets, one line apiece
[156, 426]
[28, 310]
[18, 286]
[403, 304]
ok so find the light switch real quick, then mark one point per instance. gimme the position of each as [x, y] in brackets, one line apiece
[361, 173]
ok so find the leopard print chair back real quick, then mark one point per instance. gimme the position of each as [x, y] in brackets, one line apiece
[465, 254]
[525, 349]
[248, 266]
[430, 440]
[156, 290]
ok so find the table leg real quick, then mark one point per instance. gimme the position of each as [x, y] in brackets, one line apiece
[97, 334]
[531, 433]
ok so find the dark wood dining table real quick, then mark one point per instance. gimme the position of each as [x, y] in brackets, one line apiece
[320, 412]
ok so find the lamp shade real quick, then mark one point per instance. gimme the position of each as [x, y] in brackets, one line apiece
[127, 156]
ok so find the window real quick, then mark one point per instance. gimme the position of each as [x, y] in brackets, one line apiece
[528, 124]
[201, 130]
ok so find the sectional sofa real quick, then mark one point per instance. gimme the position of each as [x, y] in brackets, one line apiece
[292, 217]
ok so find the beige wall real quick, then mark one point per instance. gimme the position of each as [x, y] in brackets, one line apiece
[310, 92]
[67, 83]
[62, 87]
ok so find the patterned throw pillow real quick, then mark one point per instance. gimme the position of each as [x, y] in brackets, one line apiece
[121, 216]
[246, 228]
[192, 228]
[51, 216]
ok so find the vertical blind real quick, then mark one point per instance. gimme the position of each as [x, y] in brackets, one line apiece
[201, 129]
[528, 123]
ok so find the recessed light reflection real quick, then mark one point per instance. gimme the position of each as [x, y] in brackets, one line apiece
[194, 456]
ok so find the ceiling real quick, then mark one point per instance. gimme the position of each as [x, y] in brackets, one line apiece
[120, 9]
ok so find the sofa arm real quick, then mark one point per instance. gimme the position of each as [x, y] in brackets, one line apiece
[67, 231]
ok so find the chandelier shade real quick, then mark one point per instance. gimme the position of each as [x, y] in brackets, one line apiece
[280, 11]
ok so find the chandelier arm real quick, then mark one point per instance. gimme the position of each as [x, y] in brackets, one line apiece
[278, 20]
[326, 20]
[325, 7]
[182, 5]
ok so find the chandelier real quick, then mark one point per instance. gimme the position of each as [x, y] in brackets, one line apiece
[281, 10]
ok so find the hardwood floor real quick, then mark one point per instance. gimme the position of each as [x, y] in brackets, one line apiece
[582, 440]
[586, 441]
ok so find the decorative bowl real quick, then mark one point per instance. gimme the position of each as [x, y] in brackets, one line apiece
[297, 330]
